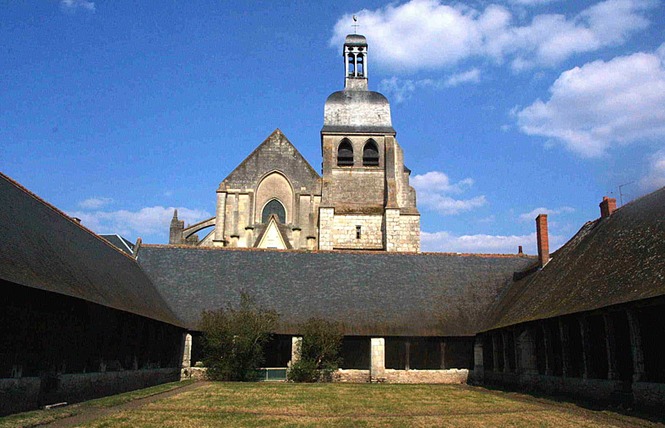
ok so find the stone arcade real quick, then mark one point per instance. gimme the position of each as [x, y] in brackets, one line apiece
[85, 316]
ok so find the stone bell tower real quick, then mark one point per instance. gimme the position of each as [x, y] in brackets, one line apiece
[367, 202]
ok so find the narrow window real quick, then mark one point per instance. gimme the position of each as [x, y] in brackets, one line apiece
[273, 207]
[361, 65]
[358, 232]
[345, 153]
[370, 154]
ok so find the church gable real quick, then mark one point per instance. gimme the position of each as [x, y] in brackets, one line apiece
[276, 153]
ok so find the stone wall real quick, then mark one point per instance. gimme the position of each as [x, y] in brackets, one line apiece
[402, 232]
[344, 231]
[357, 186]
[326, 228]
[351, 376]
[450, 376]
[28, 393]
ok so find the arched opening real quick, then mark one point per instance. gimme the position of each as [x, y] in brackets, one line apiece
[273, 207]
[361, 66]
[370, 154]
[345, 153]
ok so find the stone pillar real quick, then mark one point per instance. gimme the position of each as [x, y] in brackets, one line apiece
[547, 340]
[506, 358]
[586, 348]
[392, 229]
[187, 351]
[326, 226]
[478, 358]
[611, 347]
[296, 347]
[249, 236]
[495, 353]
[527, 357]
[564, 333]
[378, 359]
[636, 345]
[220, 218]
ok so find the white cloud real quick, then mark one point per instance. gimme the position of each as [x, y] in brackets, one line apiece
[94, 203]
[427, 34]
[531, 2]
[401, 89]
[531, 215]
[602, 104]
[480, 243]
[433, 188]
[144, 222]
[73, 5]
[655, 177]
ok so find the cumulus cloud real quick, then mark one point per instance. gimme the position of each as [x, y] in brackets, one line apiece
[444, 241]
[531, 215]
[434, 189]
[655, 177]
[428, 35]
[602, 104]
[402, 89]
[94, 203]
[144, 222]
[73, 5]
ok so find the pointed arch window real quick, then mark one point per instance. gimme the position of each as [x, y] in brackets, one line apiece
[345, 153]
[273, 207]
[370, 154]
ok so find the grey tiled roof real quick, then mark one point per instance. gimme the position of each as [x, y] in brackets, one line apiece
[371, 293]
[41, 247]
[120, 242]
[610, 261]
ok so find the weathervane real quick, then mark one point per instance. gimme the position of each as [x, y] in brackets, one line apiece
[356, 25]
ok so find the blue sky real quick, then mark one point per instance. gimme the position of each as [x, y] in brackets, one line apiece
[119, 111]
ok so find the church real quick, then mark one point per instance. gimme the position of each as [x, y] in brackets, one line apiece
[362, 201]
[85, 315]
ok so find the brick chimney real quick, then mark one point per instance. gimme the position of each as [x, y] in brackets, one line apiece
[607, 206]
[543, 239]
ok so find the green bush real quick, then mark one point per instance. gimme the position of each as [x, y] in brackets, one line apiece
[233, 340]
[318, 356]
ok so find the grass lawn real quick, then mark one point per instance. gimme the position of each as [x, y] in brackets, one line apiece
[363, 405]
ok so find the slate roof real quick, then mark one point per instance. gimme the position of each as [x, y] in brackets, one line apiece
[371, 293]
[41, 247]
[123, 244]
[610, 261]
[357, 111]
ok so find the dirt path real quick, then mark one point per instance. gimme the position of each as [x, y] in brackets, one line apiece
[92, 413]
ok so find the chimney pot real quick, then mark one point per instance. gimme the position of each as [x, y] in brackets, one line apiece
[607, 206]
[543, 240]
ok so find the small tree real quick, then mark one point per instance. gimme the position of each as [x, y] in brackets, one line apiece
[233, 339]
[318, 353]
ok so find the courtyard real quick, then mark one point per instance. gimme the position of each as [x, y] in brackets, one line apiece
[208, 404]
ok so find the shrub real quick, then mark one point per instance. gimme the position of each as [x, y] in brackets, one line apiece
[318, 356]
[233, 339]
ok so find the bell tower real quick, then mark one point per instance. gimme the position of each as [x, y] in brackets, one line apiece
[366, 201]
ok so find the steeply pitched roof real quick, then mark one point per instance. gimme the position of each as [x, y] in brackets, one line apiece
[609, 261]
[371, 293]
[41, 247]
[120, 242]
[275, 153]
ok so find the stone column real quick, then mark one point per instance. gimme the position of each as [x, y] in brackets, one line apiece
[378, 359]
[527, 357]
[611, 347]
[187, 351]
[296, 347]
[506, 358]
[407, 355]
[586, 348]
[326, 226]
[636, 345]
[565, 348]
[442, 349]
[495, 353]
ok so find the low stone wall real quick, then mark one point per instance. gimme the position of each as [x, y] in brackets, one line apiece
[22, 394]
[351, 376]
[649, 394]
[196, 373]
[450, 376]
